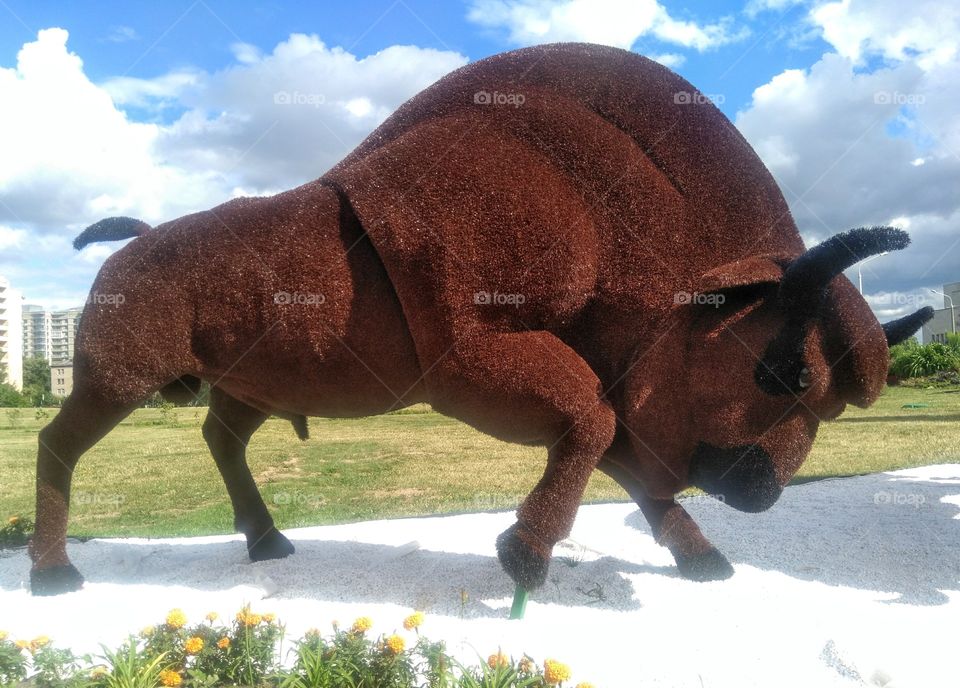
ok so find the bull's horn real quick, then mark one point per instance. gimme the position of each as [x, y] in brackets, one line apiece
[804, 283]
[901, 329]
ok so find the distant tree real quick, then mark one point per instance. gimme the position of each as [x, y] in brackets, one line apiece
[36, 373]
[11, 397]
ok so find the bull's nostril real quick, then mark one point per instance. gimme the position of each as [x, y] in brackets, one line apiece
[743, 477]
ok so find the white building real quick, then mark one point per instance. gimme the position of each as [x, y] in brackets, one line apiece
[11, 334]
[50, 334]
[945, 320]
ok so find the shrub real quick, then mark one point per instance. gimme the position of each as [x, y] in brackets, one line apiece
[15, 532]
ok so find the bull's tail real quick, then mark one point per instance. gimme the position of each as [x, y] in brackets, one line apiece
[111, 229]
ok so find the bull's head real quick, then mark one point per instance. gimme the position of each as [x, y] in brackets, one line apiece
[730, 396]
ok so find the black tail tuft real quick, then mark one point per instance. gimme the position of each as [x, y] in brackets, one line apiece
[111, 229]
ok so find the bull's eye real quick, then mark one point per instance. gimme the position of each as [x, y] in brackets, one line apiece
[804, 380]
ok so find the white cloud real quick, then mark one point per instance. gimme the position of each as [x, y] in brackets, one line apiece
[854, 146]
[619, 23]
[71, 155]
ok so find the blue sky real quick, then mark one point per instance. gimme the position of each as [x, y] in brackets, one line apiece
[158, 109]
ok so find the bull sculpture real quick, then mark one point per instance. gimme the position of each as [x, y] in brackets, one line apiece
[566, 244]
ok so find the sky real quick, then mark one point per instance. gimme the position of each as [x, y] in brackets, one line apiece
[156, 110]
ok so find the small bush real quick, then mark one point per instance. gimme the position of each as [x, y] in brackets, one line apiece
[15, 532]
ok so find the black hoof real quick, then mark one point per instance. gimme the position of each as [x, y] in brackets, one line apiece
[523, 564]
[709, 566]
[55, 580]
[272, 545]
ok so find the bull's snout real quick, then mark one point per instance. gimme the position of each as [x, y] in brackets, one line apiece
[743, 477]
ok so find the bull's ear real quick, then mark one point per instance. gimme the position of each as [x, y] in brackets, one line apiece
[752, 270]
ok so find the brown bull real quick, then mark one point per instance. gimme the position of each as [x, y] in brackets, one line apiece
[565, 244]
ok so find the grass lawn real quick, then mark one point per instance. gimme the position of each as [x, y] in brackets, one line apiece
[153, 476]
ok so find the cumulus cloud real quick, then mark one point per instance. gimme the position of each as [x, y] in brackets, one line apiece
[72, 154]
[619, 23]
[853, 142]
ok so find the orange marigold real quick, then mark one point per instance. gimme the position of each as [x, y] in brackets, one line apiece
[413, 621]
[394, 644]
[223, 643]
[171, 679]
[193, 646]
[13, 520]
[498, 660]
[362, 625]
[555, 672]
[269, 618]
[176, 618]
[248, 618]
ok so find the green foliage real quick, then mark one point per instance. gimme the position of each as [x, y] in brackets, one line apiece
[36, 374]
[911, 359]
[10, 396]
[245, 653]
[15, 532]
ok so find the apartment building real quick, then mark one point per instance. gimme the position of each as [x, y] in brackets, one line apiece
[944, 319]
[50, 334]
[11, 336]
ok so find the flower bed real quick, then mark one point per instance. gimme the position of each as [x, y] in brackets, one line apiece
[251, 650]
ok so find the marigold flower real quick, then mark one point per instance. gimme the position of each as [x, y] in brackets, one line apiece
[147, 631]
[39, 642]
[498, 660]
[362, 625]
[313, 632]
[193, 645]
[223, 643]
[248, 618]
[269, 618]
[23, 644]
[413, 621]
[555, 672]
[3, 636]
[176, 618]
[394, 644]
[98, 672]
[171, 679]
[526, 665]
[212, 616]
[13, 520]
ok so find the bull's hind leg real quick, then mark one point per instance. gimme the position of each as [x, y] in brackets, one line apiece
[84, 419]
[531, 386]
[697, 559]
[229, 425]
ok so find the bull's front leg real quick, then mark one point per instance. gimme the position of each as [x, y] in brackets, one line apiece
[697, 559]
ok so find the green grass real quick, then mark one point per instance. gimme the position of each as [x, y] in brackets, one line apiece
[154, 477]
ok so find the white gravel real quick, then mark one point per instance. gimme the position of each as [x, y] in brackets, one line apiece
[844, 582]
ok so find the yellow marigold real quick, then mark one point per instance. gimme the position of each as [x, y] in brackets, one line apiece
[13, 520]
[193, 645]
[526, 665]
[98, 672]
[362, 625]
[176, 618]
[223, 643]
[171, 679]
[212, 616]
[23, 644]
[248, 618]
[584, 684]
[147, 631]
[413, 621]
[394, 644]
[313, 632]
[555, 672]
[3, 636]
[269, 618]
[498, 660]
[39, 642]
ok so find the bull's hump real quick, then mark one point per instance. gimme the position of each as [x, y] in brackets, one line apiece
[684, 135]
